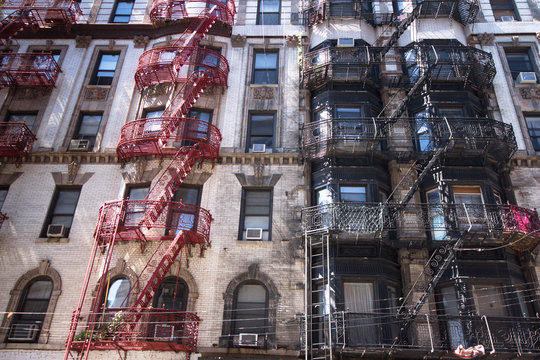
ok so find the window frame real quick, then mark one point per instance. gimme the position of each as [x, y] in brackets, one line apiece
[235, 307]
[35, 113]
[255, 69]
[91, 138]
[249, 141]
[531, 137]
[509, 6]
[261, 17]
[52, 205]
[114, 14]
[528, 51]
[95, 79]
[242, 227]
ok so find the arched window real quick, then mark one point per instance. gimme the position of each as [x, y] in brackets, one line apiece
[250, 310]
[28, 321]
[172, 294]
[117, 294]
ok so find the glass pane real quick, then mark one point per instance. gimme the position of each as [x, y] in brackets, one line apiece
[250, 309]
[324, 196]
[348, 112]
[393, 299]
[257, 203]
[266, 61]
[252, 293]
[124, 8]
[361, 322]
[172, 295]
[118, 293]
[28, 119]
[257, 222]
[188, 195]
[450, 304]
[269, 6]
[353, 193]
[153, 113]
[138, 193]
[108, 62]
[269, 19]
[488, 300]
[265, 77]
[40, 289]
[65, 220]
[201, 115]
[89, 125]
[262, 124]
[66, 202]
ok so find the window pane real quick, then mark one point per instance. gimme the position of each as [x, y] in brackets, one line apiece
[201, 115]
[108, 62]
[172, 294]
[257, 203]
[118, 293]
[353, 193]
[138, 193]
[40, 290]
[488, 300]
[124, 8]
[348, 112]
[89, 125]
[262, 124]
[533, 123]
[258, 222]
[153, 113]
[250, 309]
[66, 202]
[188, 195]
[266, 61]
[28, 119]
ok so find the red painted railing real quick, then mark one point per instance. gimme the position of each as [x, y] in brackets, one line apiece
[16, 139]
[28, 70]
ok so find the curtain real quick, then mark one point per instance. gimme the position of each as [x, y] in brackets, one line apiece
[361, 324]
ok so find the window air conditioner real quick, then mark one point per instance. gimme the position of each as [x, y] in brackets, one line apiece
[23, 332]
[254, 234]
[258, 148]
[345, 42]
[79, 145]
[56, 230]
[507, 18]
[526, 78]
[248, 339]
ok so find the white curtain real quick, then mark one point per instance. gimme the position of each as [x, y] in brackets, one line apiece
[361, 326]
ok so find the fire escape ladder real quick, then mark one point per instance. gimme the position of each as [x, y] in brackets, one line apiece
[14, 23]
[401, 27]
[98, 267]
[163, 191]
[319, 323]
[193, 35]
[157, 276]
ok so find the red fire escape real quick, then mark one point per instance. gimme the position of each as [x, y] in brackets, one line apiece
[29, 69]
[167, 228]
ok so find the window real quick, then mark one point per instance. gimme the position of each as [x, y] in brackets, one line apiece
[137, 207]
[450, 306]
[353, 193]
[62, 209]
[106, 66]
[153, 126]
[265, 67]
[519, 60]
[503, 8]
[187, 217]
[348, 122]
[533, 124]
[87, 130]
[118, 293]
[359, 305]
[28, 320]
[261, 132]
[250, 315]
[256, 215]
[197, 131]
[436, 215]
[469, 207]
[172, 294]
[423, 133]
[208, 58]
[122, 11]
[28, 118]
[268, 12]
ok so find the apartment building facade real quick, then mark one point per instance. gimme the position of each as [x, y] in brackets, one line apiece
[268, 179]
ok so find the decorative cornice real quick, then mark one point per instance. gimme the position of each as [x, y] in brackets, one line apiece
[265, 159]
[528, 161]
[66, 158]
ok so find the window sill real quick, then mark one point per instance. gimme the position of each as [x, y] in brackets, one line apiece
[254, 243]
[52, 240]
[30, 346]
[263, 85]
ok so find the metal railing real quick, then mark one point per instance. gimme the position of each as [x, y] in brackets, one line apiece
[16, 139]
[412, 135]
[28, 70]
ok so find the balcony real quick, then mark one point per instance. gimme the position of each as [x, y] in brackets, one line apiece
[161, 65]
[463, 65]
[375, 332]
[150, 220]
[171, 10]
[485, 224]
[47, 12]
[28, 70]
[408, 138]
[339, 64]
[380, 13]
[144, 137]
[16, 139]
[157, 330]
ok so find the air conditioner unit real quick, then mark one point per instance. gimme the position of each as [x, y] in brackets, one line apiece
[507, 18]
[23, 332]
[79, 145]
[248, 339]
[345, 42]
[526, 78]
[164, 332]
[258, 148]
[254, 234]
[56, 230]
